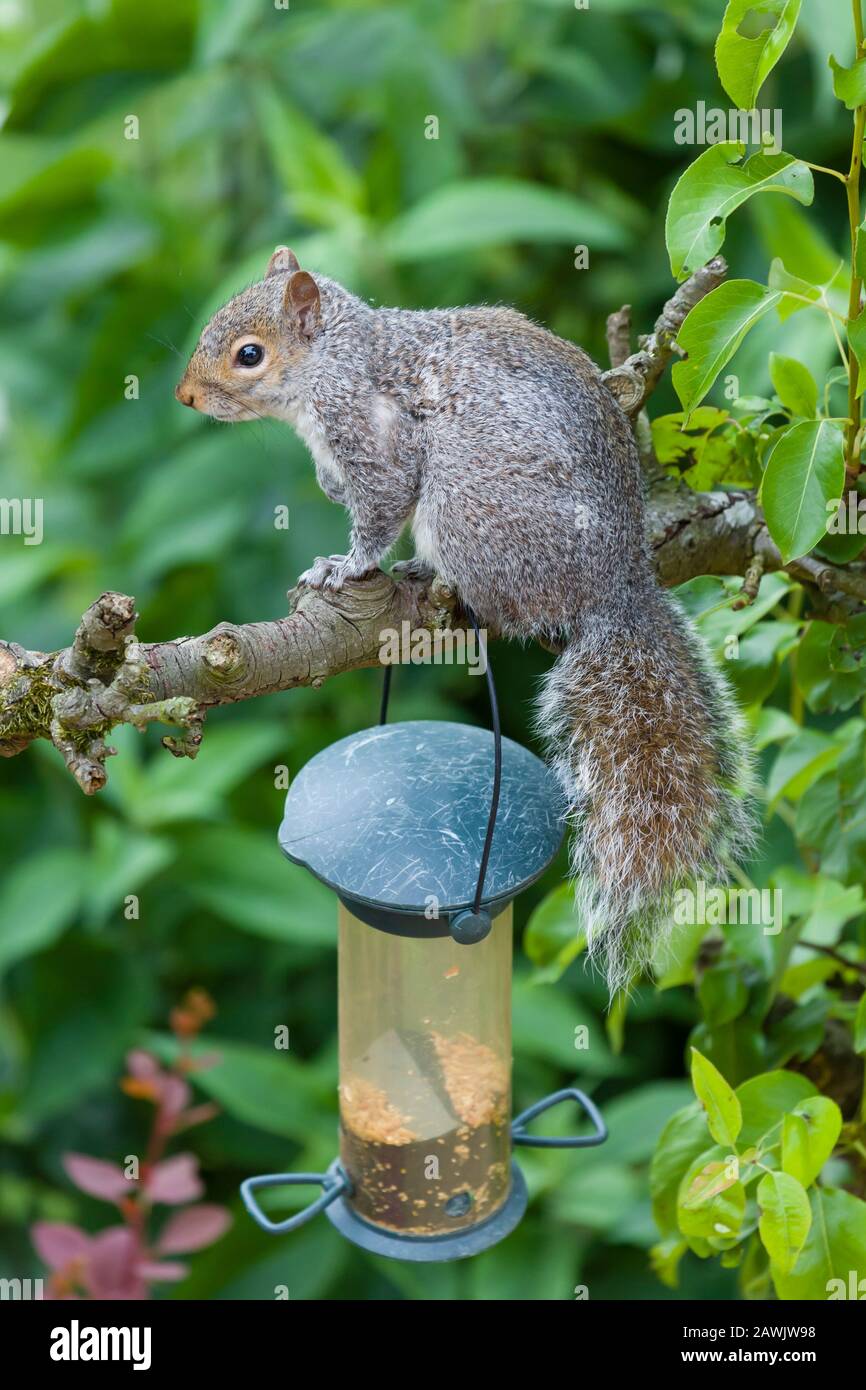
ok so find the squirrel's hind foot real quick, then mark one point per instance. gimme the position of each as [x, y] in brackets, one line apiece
[416, 568]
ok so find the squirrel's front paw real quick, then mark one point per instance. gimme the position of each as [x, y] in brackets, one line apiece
[317, 576]
[346, 568]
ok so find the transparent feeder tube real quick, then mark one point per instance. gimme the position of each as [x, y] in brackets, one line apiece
[425, 1075]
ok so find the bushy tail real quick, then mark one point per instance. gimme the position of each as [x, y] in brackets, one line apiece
[653, 756]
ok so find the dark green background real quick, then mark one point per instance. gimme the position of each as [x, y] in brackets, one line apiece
[260, 126]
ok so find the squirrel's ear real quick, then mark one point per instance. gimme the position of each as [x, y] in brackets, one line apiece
[282, 259]
[302, 301]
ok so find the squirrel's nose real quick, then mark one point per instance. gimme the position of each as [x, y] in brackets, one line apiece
[184, 394]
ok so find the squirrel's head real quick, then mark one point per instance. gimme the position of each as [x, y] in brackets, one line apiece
[244, 360]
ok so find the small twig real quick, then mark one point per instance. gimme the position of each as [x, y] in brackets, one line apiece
[825, 577]
[831, 951]
[636, 377]
[751, 584]
[619, 335]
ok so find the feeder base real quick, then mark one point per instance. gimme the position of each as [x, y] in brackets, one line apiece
[428, 1249]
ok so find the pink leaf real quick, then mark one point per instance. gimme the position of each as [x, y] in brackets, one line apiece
[205, 1061]
[57, 1244]
[141, 1065]
[157, 1272]
[193, 1229]
[175, 1180]
[111, 1269]
[196, 1115]
[96, 1177]
[174, 1095]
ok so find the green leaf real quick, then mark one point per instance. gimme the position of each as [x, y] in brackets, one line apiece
[860, 1026]
[682, 1141]
[848, 647]
[674, 440]
[715, 1177]
[712, 332]
[243, 878]
[45, 176]
[795, 1143]
[38, 900]
[674, 960]
[308, 1267]
[552, 938]
[744, 61]
[806, 249]
[849, 84]
[174, 789]
[122, 861]
[614, 1024]
[123, 36]
[800, 763]
[785, 1218]
[497, 212]
[833, 1259]
[602, 1198]
[860, 256]
[269, 1090]
[809, 1136]
[824, 904]
[737, 1049]
[723, 993]
[805, 471]
[798, 979]
[713, 187]
[706, 593]
[842, 544]
[755, 1274]
[794, 289]
[555, 1027]
[665, 1259]
[761, 653]
[637, 1118]
[823, 827]
[724, 1115]
[765, 1099]
[324, 188]
[709, 1205]
[798, 1033]
[822, 675]
[773, 726]
[499, 1276]
[794, 385]
[857, 342]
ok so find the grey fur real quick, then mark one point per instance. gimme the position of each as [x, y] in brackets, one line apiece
[519, 474]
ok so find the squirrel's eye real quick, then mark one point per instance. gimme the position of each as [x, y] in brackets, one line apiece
[250, 355]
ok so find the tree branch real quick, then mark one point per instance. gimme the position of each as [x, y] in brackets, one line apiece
[107, 677]
[632, 379]
[619, 335]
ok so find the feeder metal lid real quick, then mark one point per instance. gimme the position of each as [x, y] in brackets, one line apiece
[396, 815]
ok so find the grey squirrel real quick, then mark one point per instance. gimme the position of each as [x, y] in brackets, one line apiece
[519, 474]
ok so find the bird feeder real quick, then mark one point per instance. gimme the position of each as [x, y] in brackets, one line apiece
[426, 832]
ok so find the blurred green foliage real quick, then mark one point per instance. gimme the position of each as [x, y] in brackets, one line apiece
[255, 125]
